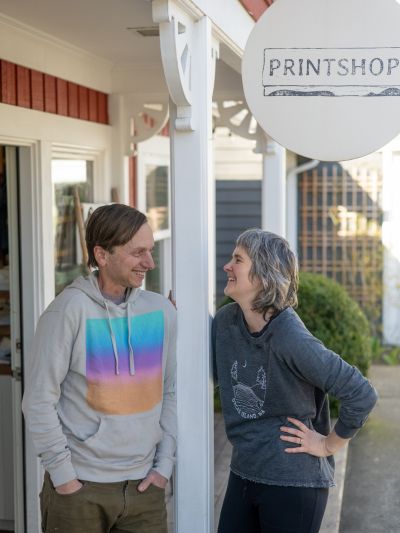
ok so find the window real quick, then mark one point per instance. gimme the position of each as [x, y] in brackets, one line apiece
[154, 200]
[69, 177]
[157, 194]
[154, 280]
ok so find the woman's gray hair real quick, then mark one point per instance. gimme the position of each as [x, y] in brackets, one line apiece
[275, 265]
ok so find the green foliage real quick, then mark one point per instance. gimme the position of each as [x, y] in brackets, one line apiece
[387, 354]
[225, 300]
[217, 401]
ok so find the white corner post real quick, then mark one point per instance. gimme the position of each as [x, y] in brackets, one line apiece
[273, 195]
[189, 54]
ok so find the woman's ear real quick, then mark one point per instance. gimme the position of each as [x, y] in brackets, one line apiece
[100, 255]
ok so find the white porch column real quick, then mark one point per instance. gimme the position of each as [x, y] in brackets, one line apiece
[193, 270]
[273, 196]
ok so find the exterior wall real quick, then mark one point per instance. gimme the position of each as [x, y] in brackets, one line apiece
[29, 88]
[238, 173]
[238, 208]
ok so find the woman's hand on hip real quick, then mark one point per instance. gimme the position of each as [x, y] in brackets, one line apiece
[308, 440]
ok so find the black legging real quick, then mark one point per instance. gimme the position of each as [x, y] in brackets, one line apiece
[251, 507]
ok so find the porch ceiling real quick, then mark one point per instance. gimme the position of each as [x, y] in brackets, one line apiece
[100, 27]
[97, 26]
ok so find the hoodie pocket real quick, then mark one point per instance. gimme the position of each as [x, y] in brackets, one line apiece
[121, 440]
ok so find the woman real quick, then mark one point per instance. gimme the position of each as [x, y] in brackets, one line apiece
[273, 377]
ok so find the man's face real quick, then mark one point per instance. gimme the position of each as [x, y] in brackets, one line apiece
[126, 265]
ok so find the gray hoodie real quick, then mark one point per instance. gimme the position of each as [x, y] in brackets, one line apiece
[100, 396]
[283, 372]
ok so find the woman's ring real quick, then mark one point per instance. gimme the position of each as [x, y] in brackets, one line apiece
[300, 440]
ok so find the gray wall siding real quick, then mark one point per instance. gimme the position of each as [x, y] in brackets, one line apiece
[238, 207]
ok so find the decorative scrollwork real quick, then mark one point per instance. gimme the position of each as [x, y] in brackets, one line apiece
[144, 120]
[176, 52]
[237, 117]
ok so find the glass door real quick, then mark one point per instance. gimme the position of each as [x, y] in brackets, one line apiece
[11, 435]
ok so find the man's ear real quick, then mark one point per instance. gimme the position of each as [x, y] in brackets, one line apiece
[100, 255]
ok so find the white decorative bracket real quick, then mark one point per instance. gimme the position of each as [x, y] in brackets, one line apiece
[143, 120]
[237, 117]
[176, 35]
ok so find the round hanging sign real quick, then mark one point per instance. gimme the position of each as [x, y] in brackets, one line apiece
[322, 77]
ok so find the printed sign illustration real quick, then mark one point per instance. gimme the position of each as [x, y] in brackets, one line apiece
[322, 78]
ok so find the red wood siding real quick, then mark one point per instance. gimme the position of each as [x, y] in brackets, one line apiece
[102, 111]
[8, 83]
[25, 87]
[83, 96]
[256, 8]
[92, 105]
[37, 90]
[62, 97]
[50, 94]
[73, 103]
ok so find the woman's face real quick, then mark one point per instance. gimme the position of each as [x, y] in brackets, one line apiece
[239, 287]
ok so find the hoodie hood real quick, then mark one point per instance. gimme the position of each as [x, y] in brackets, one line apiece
[89, 286]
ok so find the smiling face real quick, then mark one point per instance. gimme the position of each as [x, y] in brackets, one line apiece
[125, 266]
[240, 287]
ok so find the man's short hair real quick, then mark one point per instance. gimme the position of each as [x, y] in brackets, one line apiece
[111, 225]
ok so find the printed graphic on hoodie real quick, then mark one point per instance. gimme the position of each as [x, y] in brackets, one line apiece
[121, 383]
[248, 399]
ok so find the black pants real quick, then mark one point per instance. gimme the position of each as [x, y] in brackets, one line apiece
[251, 507]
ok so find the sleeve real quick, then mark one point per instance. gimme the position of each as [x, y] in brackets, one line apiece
[48, 365]
[311, 361]
[165, 453]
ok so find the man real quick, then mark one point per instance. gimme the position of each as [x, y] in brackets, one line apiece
[100, 395]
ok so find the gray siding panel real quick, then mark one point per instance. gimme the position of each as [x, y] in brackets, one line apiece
[238, 207]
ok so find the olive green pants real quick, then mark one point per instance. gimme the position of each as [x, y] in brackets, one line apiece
[103, 508]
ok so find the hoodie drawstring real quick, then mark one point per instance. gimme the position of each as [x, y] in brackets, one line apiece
[131, 354]
[113, 341]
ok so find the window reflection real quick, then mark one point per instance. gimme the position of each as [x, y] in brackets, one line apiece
[157, 197]
[67, 176]
[153, 277]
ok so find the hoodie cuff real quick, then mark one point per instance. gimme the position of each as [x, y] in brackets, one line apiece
[344, 432]
[62, 474]
[164, 466]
